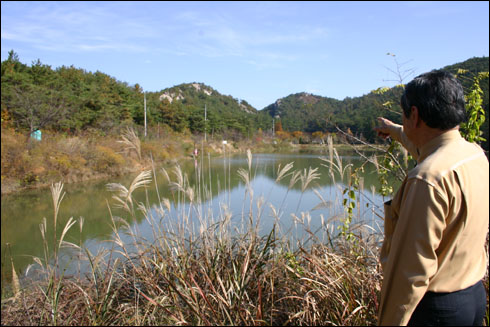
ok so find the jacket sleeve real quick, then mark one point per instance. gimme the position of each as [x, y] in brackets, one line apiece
[399, 135]
[411, 260]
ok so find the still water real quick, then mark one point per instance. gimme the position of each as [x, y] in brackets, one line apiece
[214, 180]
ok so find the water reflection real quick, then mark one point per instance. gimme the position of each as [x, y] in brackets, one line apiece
[214, 180]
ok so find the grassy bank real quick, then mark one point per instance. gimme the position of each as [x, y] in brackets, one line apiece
[27, 163]
[203, 269]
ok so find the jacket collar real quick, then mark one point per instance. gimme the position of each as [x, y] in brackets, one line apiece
[431, 146]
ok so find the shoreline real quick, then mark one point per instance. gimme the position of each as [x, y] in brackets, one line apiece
[10, 185]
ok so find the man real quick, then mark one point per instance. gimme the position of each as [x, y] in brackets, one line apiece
[433, 255]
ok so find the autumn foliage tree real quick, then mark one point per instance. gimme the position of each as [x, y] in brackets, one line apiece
[278, 126]
[318, 135]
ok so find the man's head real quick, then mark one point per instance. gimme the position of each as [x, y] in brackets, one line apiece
[438, 97]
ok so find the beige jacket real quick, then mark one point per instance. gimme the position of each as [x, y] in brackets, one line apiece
[435, 226]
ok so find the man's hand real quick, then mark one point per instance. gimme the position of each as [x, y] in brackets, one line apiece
[385, 127]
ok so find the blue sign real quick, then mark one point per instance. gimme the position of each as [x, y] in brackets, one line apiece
[36, 135]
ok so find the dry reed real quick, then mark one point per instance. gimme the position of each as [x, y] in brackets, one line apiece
[216, 274]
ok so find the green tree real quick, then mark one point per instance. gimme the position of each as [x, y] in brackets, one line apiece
[173, 115]
[35, 108]
[471, 129]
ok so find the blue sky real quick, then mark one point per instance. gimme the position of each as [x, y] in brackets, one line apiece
[255, 51]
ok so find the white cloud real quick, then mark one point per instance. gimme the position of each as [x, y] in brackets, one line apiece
[79, 28]
[261, 45]
[101, 26]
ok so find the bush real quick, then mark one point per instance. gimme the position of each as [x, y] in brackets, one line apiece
[106, 159]
[156, 149]
[14, 149]
[29, 179]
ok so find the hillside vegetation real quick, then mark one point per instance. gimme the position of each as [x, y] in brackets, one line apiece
[72, 100]
[310, 113]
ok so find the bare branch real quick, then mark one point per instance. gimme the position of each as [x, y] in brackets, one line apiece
[400, 172]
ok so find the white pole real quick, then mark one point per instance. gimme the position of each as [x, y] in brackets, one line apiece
[205, 117]
[145, 114]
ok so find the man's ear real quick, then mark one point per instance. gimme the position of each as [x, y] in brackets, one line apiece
[415, 117]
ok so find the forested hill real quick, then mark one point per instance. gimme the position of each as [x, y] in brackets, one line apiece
[310, 113]
[72, 100]
[186, 105]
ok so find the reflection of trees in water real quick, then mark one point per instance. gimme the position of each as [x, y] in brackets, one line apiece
[267, 165]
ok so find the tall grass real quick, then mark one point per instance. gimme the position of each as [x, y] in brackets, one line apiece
[199, 268]
[131, 141]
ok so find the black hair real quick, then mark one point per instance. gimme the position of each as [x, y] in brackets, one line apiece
[439, 98]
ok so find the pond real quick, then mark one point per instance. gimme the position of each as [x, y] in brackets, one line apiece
[217, 188]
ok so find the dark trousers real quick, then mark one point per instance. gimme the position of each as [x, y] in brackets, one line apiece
[460, 308]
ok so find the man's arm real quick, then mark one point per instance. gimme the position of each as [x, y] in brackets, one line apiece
[387, 128]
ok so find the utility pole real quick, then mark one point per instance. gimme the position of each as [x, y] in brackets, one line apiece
[274, 125]
[205, 117]
[145, 112]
